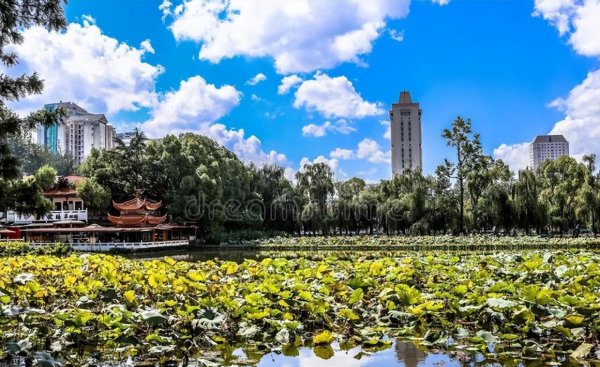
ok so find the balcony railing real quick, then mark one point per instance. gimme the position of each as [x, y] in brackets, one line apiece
[119, 246]
[11, 217]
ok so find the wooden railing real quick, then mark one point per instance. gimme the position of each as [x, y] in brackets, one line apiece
[120, 246]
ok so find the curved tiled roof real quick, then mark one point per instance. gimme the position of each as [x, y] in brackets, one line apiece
[136, 204]
[136, 220]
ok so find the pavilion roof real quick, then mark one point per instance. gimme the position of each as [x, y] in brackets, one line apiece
[136, 220]
[136, 204]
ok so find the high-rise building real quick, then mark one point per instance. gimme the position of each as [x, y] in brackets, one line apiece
[126, 137]
[405, 120]
[78, 134]
[547, 147]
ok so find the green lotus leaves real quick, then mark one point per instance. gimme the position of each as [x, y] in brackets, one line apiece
[323, 337]
[79, 308]
[153, 317]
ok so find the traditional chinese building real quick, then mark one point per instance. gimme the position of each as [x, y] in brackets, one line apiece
[137, 212]
[138, 227]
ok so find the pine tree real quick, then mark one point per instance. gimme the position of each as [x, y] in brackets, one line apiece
[15, 16]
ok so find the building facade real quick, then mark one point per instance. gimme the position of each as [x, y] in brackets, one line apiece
[405, 125]
[126, 137]
[78, 134]
[67, 206]
[547, 147]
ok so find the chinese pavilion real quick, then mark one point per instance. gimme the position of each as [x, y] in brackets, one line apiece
[137, 212]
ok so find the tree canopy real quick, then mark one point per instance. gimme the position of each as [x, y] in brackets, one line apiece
[15, 16]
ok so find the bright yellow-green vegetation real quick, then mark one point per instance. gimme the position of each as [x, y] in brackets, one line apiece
[427, 242]
[100, 307]
[21, 248]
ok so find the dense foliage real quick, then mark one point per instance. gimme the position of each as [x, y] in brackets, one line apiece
[33, 156]
[204, 183]
[11, 248]
[85, 308]
[15, 16]
[422, 242]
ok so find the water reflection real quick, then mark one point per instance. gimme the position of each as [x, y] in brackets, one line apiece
[409, 353]
[400, 354]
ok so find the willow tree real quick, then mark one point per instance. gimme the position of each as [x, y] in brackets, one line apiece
[563, 180]
[530, 209]
[315, 183]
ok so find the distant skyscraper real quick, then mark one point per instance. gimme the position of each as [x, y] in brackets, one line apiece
[405, 120]
[78, 134]
[547, 147]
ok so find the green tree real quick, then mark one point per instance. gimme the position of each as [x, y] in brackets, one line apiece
[529, 208]
[588, 200]
[562, 180]
[270, 186]
[33, 156]
[45, 177]
[95, 196]
[15, 16]
[444, 204]
[315, 183]
[346, 205]
[468, 155]
[406, 200]
[487, 176]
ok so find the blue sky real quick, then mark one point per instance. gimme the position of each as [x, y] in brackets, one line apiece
[501, 63]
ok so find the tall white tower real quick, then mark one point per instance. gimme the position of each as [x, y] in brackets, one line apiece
[405, 120]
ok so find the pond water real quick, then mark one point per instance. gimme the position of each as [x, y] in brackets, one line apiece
[399, 354]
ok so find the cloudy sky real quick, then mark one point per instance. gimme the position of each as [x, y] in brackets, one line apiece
[308, 80]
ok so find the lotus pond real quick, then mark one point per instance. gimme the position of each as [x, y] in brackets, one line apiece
[534, 307]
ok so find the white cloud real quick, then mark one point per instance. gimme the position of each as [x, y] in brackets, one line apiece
[147, 46]
[441, 2]
[340, 153]
[578, 18]
[585, 39]
[367, 149]
[516, 156]
[581, 125]
[195, 107]
[195, 103]
[334, 97]
[247, 149]
[104, 75]
[333, 163]
[316, 131]
[83, 65]
[300, 35]
[288, 83]
[165, 7]
[396, 35]
[260, 77]
[388, 131]
[340, 126]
